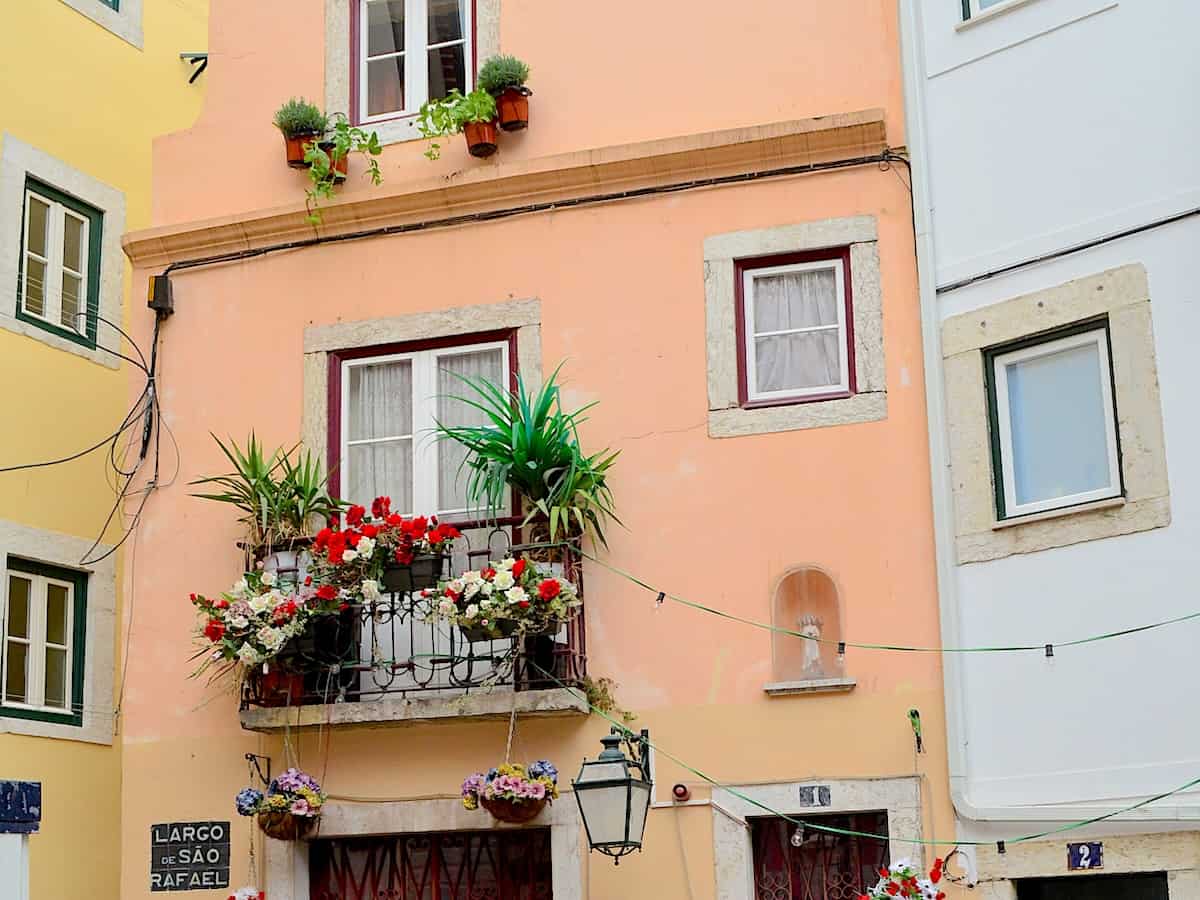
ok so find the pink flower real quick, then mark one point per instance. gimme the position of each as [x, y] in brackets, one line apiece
[301, 808]
[538, 790]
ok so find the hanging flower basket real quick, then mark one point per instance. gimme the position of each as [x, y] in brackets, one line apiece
[481, 138]
[514, 812]
[422, 573]
[285, 826]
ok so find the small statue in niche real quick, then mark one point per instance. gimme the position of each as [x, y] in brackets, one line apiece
[810, 627]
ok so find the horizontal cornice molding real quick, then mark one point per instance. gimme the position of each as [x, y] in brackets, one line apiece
[567, 176]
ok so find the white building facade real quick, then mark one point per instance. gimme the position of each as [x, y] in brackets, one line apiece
[1057, 198]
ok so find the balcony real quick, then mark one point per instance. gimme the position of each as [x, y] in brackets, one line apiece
[392, 663]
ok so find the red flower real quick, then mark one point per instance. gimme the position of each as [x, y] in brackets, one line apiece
[549, 589]
[451, 532]
[488, 574]
[883, 873]
[307, 580]
[936, 875]
[518, 568]
[343, 607]
[327, 592]
[221, 603]
[524, 604]
[380, 507]
[214, 630]
[419, 524]
[435, 536]
[193, 598]
[404, 555]
[352, 538]
[893, 889]
[370, 531]
[354, 515]
[395, 520]
[322, 539]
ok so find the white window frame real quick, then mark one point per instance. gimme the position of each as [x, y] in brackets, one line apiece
[55, 263]
[36, 644]
[424, 447]
[748, 277]
[1097, 337]
[416, 77]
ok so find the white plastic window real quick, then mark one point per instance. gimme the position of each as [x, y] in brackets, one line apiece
[54, 263]
[38, 636]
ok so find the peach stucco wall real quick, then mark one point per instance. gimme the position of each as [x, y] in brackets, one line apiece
[622, 300]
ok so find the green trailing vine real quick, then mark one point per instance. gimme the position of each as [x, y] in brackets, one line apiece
[600, 695]
[343, 140]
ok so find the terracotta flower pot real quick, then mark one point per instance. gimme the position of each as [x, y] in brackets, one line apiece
[423, 572]
[283, 826]
[514, 812]
[295, 149]
[341, 167]
[481, 138]
[513, 108]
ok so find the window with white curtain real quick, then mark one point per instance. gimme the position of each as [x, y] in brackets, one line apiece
[389, 408]
[796, 328]
[1054, 431]
[411, 51]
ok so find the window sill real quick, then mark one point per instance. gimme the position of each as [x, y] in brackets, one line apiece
[795, 401]
[738, 421]
[990, 14]
[810, 686]
[1108, 503]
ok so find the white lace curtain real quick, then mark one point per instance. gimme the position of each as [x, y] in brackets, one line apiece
[787, 358]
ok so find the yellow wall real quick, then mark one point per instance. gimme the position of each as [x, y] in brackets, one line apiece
[79, 93]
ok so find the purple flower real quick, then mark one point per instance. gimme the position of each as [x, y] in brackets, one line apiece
[291, 781]
[474, 785]
[543, 768]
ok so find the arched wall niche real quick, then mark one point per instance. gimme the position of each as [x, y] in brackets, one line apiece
[807, 600]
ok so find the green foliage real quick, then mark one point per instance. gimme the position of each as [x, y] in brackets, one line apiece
[298, 117]
[498, 73]
[449, 115]
[531, 445]
[600, 695]
[278, 497]
[345, 139]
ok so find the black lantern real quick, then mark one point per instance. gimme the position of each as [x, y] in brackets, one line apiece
[613, 791]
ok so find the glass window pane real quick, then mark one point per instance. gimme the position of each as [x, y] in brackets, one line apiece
[56, 677]
[72, 285]
[73, 242]
[35, 232]
[380, 400]
[57, 598]
[445, 21]
[489, 364]
[18, 606]
[1058, 419]
[17, 676]
[795, 300]
[789, 362]
[35, 287]
[385, 27]
[384, 469]
[447, 71]
[385, 86]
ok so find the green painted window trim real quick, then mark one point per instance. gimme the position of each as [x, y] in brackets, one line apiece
[95, 241]
[989, 375]
[115, 4]
[78, 641]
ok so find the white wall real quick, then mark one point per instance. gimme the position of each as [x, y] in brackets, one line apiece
[1053, 123]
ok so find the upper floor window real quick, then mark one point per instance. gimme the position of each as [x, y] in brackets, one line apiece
[408, 52]
[972, 8]
[43, 651]
[795, 328]
[1054, 429]
[115, 4]
[388, 404]
[59, 278]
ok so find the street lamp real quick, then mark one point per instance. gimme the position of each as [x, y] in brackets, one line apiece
[613, 800]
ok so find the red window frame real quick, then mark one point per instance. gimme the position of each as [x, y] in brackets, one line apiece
[740, 267]
[333, 431]
[356, 61]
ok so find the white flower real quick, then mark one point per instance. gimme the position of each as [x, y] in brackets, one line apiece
[238, 622]
[239, 589]
[350, 555]
[268, 578]
[471, 577]
[370, 589]
[446, 606]
[261, 603]
[366, 546]
[471, 611]
[516, 595]
[506, 564]
[456, 585]
[486, 588]
[503, 580]
[485, 603]
[248, 655]
[471, 589]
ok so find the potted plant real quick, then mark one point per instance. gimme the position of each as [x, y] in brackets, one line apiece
[508, 597]
[329, 161]
[900, 880]
[504, 78]
[289, 810]
[473, 114]
[531, 445]
[513, 793]
[302, 124]
[382, 549]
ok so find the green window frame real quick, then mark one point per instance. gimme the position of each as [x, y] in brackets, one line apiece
[40, 577]
[60, 207]
[115, 4]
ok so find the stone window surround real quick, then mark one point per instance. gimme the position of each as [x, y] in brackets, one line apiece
[65, 551]
[1121, 294]
[125, 21]
[1172, 852]
[523, 316]
[726, 417]
[338, 62]
[287, 861]
[900, 797]
[17, 160]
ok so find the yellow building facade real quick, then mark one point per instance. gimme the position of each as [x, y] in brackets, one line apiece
[87, 87]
